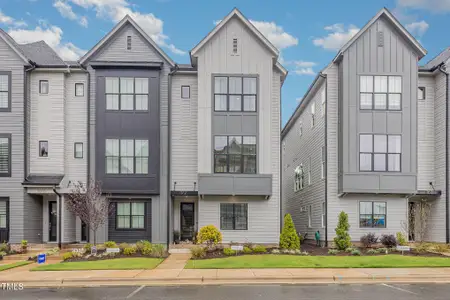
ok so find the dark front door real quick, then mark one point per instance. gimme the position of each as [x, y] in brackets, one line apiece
[187, 220]
[4, 221]
[84, 232]
[52, 220]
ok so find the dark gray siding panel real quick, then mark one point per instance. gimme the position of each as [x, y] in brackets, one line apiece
[130, 236]
[232, 184]
[132, 125]
[33, 218]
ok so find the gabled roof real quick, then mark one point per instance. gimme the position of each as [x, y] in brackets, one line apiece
[385, 12]
[14, 46]
[439, 59]
[236, 13]
[126, 20]
[42, 54]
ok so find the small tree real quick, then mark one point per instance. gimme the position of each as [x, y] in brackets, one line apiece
[90, 205]
[289, 238]
[342, 239]
[210, 235]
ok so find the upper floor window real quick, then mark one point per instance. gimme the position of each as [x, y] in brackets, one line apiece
[421, 93]
[185, 92]
[43, 148]
[126, 156]
[380, 92]
[78, 150]
[313, 114]
[126, 93]
[5, 93]
[235, 154]
[79, 89]
[129, 42]
[5, 155]
[43, 87]
[235, 93]
[380, 152]
[299, 178]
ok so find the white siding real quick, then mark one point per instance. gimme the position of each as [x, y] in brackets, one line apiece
[184, 135]
[47, 123]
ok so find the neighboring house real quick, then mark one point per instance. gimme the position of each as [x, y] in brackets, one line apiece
[225, 135]
[361, 142]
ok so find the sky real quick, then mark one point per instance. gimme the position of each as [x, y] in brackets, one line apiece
[307, 33]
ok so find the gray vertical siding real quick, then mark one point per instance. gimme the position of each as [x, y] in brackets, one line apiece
[68, 224]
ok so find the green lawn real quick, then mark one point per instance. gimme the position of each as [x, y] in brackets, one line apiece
[290, 261]
[14, 265]
[107, 264]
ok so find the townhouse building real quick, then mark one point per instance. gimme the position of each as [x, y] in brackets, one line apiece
[175, 147]
[369, 138]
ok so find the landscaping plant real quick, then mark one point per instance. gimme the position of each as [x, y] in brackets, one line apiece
[247, 250]
[158, 250]
[198, 252]
[88, 247]
[342, 239]
[143, 244]
[289, 238]
[24, 246]
[147, 250]
[373, 251]
[440, 248]
[333, 251]
[4, 247]
[401, 239]
[123, 246]
[229, 251]
[67, 255]
[129, 251]
[423, 247]
[388, 240]
[356, 252]
[349, 249]
[110, 244]
[259, 249]
[369, 239]
[210, 235]
[383, 250]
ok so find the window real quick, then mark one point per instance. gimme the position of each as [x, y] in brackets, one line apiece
[78, 150]
[43, 148]
[185, 92]
[372, 214]
[380, 92]
[380, 152]
[322, 171]
[126, 93]
[235, 154]
[233, 216]
[3, 214]
[313, 114]
[129, 42]
[126, 156]
[43, 87]
[310, 216]
[79, 89]
[5, 95]
[421, 93]
[323, 214]
[130, 215]
[298, 178]
[324, 106]
[5, 155]
[235, 93]
[300, 128]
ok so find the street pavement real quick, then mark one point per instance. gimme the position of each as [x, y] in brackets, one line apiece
[259, 292]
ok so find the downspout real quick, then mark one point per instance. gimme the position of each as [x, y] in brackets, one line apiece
[59, 217]
[447, 221]
[326, 159]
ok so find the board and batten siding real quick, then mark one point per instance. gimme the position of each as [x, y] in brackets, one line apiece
[115, 50]
[47, 123]
[305, 150]
[184, 135]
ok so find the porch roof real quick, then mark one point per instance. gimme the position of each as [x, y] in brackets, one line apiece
[43, 179]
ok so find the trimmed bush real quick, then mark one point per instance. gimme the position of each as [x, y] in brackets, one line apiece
[275, 251]
[229, 251]
[349, 249]
[342, 239]
[158, 250]
[388, 240]
[88, 247]
[143, 244]
[368, 240]
[123, 246]
[401, 239]
[259, 249]
[198, 252]
[440, 248]
[129, 250]
[383, 250]
[289, 238]
[423, 247]
[67, 255]
[356, 252]
[247, 250]
[110, 244]
[333, 251]
[210, 235]
[373, 251]
[4, 247]
[147, 251]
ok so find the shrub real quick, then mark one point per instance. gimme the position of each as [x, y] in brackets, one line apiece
[333, 251]
[229, 251]
[275, 251]
[440, 248]
[247, 250]
[198, 252]
[143, 244]
[2, 253]
[356, 252]
[110, 244]
[210, 235]
[301, 238]
[349, 249]
[146, 251]
[4, 247]
[383, 250]
[305, 253]
[88, 247]
[129, 250]
[24, 243]
[158, 250]
[342, 239]
[423, 247]
[67, 255]
[289, 238]
[298, 251]
[401, 239]
[259, 249]
[373, 251]
[368, 240]
[123, 246]
[388, 240]
[52, 251]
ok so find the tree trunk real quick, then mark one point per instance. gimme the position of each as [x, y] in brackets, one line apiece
[95, 237]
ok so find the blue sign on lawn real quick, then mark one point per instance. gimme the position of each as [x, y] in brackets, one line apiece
[41, 258]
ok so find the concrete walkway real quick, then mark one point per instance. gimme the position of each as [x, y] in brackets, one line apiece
[175, 261]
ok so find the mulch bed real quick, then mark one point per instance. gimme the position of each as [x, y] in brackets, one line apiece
[117, 255]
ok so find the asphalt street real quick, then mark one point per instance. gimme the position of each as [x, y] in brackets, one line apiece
[260, 292]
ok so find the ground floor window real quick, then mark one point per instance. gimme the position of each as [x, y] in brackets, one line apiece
[3, 214]
[372, 214]
[130, 215]
[233, 216]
